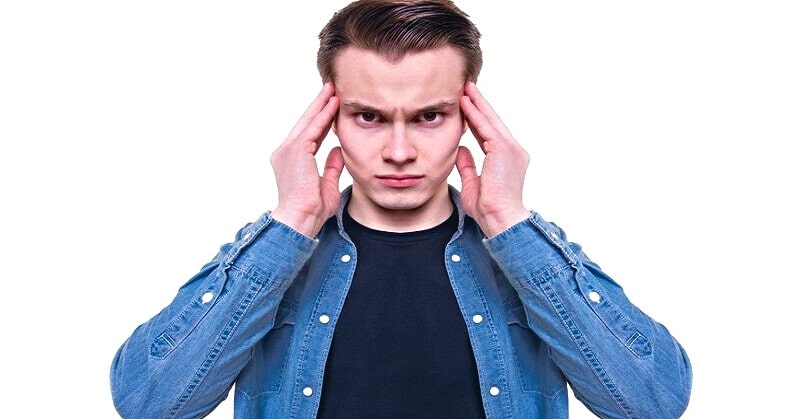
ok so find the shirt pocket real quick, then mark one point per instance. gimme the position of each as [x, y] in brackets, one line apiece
[264, 373]
[537, 372]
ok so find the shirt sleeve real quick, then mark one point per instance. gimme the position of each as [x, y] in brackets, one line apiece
[619, 361]
[183, 361]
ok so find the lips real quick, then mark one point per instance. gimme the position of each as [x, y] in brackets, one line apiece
[400, 181]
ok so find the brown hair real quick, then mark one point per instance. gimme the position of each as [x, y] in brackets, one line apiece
[393, 28]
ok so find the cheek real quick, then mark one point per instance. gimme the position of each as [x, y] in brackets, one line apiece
[355, 150]
[450, 142]
[347, 139]
[442, 156]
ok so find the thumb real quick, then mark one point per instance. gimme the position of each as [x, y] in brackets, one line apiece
[465, 164]
[334, 165]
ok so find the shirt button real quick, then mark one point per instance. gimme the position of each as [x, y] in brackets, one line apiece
[308, 391]
[324, 319]
[345, 258]
[594, 296]
[247, 235]
[455, 258]
[553, 235]
[207, 297]
[477, 318]
[494, 391]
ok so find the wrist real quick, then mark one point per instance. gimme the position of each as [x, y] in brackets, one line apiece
[304, 223]
[494, 224]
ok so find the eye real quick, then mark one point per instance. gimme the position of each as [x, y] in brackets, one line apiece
[367, 116]
[430, 116]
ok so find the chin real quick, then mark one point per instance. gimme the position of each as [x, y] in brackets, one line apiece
[400, 203]
[399, 199]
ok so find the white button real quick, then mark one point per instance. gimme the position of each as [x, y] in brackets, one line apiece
[345, 258]
[247, 235]
[494, 391]
[554, 235]
[477, 318]
[455, 258]
[594, 296]
[208, 296]
[324, 319]
[308, 391]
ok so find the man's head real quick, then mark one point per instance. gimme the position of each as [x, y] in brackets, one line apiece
[399, 68]
[394, 28]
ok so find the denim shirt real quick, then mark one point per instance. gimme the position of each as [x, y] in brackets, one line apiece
[538, 312]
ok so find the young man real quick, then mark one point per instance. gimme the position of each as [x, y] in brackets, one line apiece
[400, 297]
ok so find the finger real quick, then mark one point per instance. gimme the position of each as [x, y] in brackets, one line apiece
[465, 164]
[482, 129]
[471, 90]
[318, 128]
[313, 109]
[319, 102]
[334, 165]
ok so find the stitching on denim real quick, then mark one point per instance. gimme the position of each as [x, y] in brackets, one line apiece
[546, 273]
[526, 329]
[255, 229]
[626, 341]
[304, 349]
[561, 244]
[254, 274]
[636, 336]
[215, 351]
[619, 331]
[585, 349]
[330, 327]
[167, 334]
[284, 362]
[496, 349]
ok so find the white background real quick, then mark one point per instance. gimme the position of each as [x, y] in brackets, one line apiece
[136, 135]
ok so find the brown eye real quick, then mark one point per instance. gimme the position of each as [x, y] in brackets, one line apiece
[368, 116]
[430, 116]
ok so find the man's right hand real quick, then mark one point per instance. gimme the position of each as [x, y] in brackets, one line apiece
[306, 199]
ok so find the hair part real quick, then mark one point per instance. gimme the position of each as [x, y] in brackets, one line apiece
[394, 28]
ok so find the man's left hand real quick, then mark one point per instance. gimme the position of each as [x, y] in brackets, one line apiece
[493, 198]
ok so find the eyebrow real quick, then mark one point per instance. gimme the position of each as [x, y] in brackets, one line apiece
[436, 107]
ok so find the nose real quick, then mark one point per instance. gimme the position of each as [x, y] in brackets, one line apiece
[399, 149]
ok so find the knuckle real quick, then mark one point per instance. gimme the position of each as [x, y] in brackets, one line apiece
[275, 157]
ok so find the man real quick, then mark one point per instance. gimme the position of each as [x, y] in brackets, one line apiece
[400, 297]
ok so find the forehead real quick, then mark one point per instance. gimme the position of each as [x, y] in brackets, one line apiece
[414, 80]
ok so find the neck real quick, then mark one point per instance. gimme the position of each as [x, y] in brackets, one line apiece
[404, 219]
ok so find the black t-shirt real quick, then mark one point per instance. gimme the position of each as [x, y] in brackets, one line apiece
[400, 348]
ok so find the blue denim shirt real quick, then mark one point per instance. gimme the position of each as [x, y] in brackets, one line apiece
[539, 314]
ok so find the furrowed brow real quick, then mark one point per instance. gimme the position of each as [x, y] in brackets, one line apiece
[442, 106]
[360, 107]
[439, 107]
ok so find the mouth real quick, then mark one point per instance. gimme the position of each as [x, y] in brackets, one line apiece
[400, 181]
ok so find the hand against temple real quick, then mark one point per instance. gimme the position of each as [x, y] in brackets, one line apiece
[493, 198]
[306, 199]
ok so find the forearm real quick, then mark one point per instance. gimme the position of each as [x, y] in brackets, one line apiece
[183, 361]
[619, 361]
